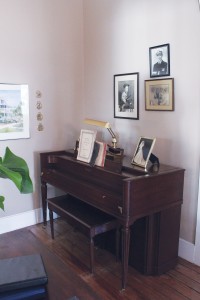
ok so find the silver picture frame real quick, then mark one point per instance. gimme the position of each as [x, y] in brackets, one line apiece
[143, 151]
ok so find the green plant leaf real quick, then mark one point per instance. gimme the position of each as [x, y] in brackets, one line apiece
[14, 176]
[16, 169]
[2, 202]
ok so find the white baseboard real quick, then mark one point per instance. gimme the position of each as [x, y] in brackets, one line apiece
[14, 222]
[186, 250]
[21, 220]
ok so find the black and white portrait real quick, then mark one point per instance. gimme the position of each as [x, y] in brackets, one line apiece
[143, 151]
[159, 95]
[159, 61]
[126, 96]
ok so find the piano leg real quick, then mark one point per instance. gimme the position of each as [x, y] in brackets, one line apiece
[125, 254]
[44, 201]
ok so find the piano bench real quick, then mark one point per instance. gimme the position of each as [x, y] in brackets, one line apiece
[88, 219]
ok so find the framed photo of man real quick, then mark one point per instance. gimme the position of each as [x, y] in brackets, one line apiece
[159, 60]
[126, 96]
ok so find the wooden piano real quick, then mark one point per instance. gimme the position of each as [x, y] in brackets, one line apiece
[146, 204]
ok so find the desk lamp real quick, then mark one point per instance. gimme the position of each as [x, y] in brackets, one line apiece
[104, 125]
[112, 149]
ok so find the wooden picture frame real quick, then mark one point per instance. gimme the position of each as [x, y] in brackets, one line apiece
[159, 60]
[143, 151]
[126, 96]
[159, 94]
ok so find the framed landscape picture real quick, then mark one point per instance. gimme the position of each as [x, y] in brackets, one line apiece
[126, 96]
[14, 111]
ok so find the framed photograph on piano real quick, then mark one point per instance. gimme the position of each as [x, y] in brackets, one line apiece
[143, 151]
[86, 145]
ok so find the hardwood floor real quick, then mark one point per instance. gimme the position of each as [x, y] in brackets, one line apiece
[66, 260]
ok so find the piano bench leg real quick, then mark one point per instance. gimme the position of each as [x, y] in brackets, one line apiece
[117, 237]
[91, 255]
[51, 223]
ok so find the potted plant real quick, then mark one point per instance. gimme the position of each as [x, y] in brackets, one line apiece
[16, 169]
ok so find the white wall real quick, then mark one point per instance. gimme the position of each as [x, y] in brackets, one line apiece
[117, 35]
[41, 45]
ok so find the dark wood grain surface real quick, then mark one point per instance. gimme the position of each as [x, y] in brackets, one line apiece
[67, 263]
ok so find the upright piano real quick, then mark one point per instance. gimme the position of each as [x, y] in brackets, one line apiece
[147, 205]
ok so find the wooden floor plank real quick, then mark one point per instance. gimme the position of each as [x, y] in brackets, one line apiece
[63, 281]
[66, 259]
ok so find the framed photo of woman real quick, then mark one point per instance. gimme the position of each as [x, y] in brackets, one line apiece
[143, 151]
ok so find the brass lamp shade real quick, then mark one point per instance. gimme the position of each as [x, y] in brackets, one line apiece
[97, 123]
[104, 125]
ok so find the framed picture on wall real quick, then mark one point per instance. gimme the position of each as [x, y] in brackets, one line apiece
[143, 151]
[14, 111]
[126, 96]
[159, 60]
[159, 94]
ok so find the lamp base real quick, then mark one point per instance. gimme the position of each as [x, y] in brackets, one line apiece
[113, 150]
[114, 158]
